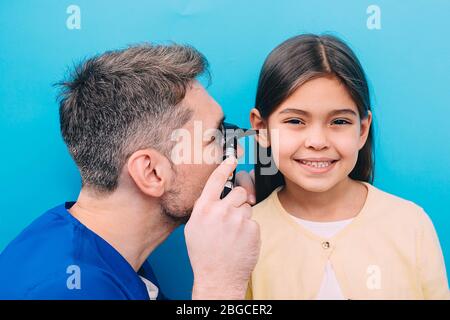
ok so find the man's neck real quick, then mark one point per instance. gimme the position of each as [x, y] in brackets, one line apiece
[130, 224]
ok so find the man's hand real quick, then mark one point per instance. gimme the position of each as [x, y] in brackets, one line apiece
[222, 241]
[247, 181]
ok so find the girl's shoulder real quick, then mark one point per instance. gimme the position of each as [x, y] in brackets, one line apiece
[393, 209]
[382, 200]
[264, 210]
[380, 205]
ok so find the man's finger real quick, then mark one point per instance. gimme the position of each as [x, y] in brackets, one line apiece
[214, 186]
[252, 175]
[236, 198]
[245, 211]
[244, 179]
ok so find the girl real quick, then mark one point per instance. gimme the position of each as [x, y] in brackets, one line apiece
[326, 231]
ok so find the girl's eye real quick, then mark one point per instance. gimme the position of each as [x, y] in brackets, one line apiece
[294, 121]
[341, 122]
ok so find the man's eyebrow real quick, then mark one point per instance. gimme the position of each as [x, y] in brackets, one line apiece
[331, 113]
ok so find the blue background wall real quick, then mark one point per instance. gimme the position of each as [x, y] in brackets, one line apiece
[407, 62]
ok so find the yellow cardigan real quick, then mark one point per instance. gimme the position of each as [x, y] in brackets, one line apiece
[389, 251]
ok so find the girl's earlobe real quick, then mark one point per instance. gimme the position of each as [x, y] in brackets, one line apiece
[259, 124]
[367, 122]
[262, 138]
[365, 128]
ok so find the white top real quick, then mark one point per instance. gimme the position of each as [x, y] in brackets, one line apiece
[151, 288]
[329, 289]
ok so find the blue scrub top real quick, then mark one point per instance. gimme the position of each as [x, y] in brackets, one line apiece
[57, 257]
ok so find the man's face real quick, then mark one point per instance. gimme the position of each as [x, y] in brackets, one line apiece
[200, 147]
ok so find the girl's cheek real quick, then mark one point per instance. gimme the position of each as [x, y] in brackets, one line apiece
[347, 151]
[275, 146]
[278, 148]
[284, 146]
[346, 146]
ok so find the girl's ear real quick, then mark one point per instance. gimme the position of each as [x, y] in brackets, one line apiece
[364, 132]
[259, 124]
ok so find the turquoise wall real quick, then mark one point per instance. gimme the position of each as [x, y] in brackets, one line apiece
[406, 57]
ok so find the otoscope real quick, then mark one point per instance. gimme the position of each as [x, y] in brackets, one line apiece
[231, 133]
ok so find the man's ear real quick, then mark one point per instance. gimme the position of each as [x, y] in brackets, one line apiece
[259, 123]
[150, 171]
[364, 132]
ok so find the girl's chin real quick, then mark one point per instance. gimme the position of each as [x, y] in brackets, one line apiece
[315, 185]
[316, 188]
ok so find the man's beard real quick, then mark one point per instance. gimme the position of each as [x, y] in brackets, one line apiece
[172, 212]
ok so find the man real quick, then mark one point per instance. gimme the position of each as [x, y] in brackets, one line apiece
[118, 113]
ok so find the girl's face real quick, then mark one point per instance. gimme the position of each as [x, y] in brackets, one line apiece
[316, 134]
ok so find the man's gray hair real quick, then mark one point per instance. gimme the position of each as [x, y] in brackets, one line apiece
[122, 101]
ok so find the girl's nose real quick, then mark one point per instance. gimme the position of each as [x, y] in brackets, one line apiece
[316, 139]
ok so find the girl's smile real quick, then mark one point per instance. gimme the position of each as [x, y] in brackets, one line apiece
[317, 167]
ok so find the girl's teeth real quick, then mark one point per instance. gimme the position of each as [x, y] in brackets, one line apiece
[317, 164]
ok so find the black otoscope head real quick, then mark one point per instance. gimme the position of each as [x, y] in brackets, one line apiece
[231, 133]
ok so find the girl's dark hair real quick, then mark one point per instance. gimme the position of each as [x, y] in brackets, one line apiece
[291, 64]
